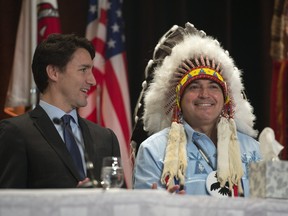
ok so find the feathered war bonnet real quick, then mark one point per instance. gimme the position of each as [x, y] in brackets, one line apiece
[181, 56]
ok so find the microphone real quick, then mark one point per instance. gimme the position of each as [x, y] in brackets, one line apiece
[93, 183]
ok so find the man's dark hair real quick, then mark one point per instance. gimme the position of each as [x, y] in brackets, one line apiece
[56, 50]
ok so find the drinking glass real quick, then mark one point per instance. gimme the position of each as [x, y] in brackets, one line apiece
[112, 174]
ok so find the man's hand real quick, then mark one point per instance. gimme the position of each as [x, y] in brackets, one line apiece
[174, 189]
[81, 183]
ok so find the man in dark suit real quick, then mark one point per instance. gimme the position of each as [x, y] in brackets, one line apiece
[33, 153]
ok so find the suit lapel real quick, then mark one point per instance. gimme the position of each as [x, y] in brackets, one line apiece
[88, 143]
[47, 129]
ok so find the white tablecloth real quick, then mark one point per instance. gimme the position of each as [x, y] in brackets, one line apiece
[82, 202]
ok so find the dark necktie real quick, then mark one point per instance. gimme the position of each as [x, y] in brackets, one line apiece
[72, 145]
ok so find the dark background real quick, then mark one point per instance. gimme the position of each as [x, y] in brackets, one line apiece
[243, 28]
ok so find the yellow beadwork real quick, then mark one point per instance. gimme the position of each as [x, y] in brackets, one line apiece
[196, 72]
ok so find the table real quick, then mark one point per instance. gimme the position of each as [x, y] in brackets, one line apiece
[82, 202]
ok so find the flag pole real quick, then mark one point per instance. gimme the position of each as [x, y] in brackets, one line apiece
[33, 30]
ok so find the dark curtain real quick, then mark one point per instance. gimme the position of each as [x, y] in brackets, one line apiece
[243, 28]
[9, 15]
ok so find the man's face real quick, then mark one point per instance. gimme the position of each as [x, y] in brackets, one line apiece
[75, 81]
[202, 103]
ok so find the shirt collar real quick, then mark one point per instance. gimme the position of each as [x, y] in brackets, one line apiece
[55, 112]
[191, 133]
[189, 130]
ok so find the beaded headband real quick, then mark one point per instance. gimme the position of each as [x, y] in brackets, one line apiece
[200, 72]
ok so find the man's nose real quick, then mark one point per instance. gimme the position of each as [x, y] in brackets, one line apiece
[204, 92]
[91, 79]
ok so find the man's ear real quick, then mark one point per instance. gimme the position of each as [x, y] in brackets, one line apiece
[52, 72]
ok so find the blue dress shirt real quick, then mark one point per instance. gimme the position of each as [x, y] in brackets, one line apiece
[150, 159]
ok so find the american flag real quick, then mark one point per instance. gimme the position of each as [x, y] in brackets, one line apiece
[109, 102]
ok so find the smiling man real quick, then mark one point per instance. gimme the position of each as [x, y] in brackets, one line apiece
[50, 146]
[200, 126]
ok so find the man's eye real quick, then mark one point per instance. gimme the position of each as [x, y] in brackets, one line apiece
[194, 87]
[215, 87]
[83, 69]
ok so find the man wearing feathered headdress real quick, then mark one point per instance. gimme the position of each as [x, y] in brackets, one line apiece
[199, 123]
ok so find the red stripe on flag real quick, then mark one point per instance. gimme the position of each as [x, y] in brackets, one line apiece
[103, 16]
[92, 116]
[114, 90]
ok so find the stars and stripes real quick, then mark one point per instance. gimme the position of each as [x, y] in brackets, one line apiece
[109, 102]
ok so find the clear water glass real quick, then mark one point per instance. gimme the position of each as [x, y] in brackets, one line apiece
[112, 174]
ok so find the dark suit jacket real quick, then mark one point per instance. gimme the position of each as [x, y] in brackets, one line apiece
[33, 155]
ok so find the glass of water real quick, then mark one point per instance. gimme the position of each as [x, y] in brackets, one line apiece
[112, 174]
